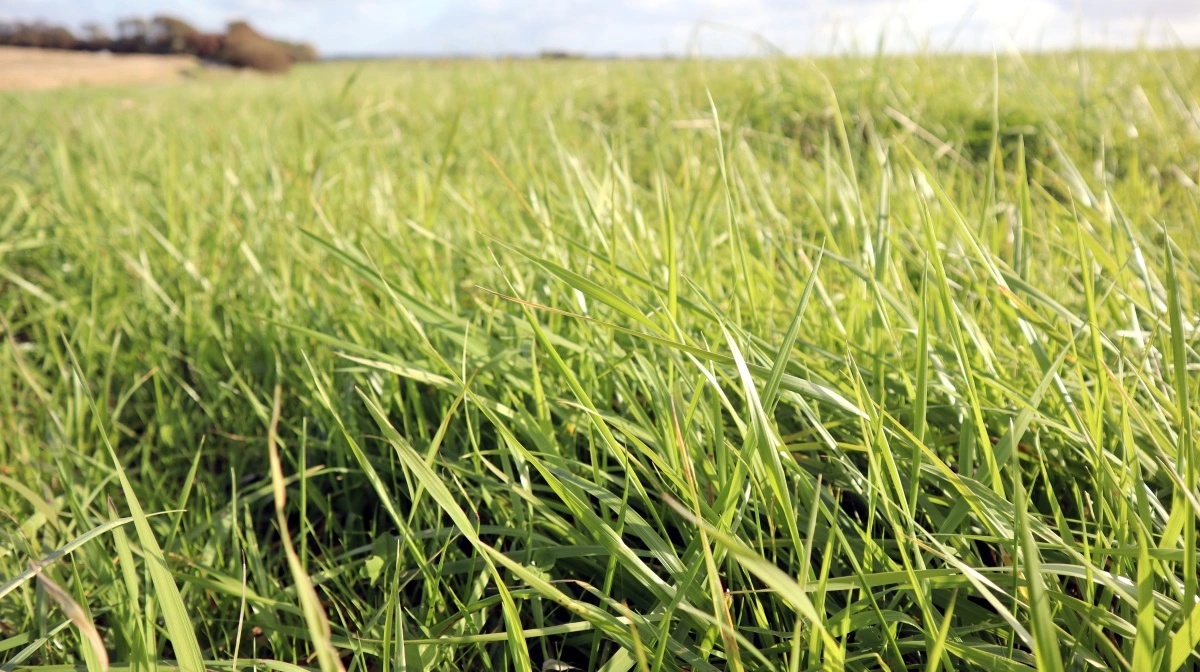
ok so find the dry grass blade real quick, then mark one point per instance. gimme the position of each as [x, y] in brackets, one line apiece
[310, 602]
[81, 620]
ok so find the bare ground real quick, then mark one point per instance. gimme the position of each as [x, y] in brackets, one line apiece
[50, 68]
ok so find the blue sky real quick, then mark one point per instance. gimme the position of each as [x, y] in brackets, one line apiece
[715, 27]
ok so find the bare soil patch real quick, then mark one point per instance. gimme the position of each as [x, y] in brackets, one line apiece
[51, 68]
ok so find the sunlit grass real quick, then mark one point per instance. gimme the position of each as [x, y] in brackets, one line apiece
[866, 363]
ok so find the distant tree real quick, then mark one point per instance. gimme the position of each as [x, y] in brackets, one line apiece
[95, 37]
[132, 36]
[57, 37]
[39, 35]
[17, 34]
[169, 35]
[207, 46]
[132, 29]
[95, 32]
[242, 46]
[557, 55]
[245, 47]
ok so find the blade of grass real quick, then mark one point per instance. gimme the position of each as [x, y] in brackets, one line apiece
[175, 615]
[310, 602]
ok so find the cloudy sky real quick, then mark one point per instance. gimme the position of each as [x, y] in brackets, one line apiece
[715, 27]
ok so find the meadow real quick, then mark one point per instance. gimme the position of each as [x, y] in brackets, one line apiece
[860, 363]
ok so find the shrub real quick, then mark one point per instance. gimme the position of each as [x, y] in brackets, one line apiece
[299, 52]
[37, 35]
[558, 55]
[245, 47]
[207, 46]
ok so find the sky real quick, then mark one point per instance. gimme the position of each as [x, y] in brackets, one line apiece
[653, 27]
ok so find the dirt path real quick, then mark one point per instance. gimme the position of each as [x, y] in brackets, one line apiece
[49, 68]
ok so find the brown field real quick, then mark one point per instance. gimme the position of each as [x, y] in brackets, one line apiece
[50, 69]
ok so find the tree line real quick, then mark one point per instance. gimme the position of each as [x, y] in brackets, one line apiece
[239, 46]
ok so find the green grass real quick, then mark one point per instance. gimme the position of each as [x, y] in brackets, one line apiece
[775, 365]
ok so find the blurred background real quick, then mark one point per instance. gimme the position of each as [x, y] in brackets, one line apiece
[628, 28]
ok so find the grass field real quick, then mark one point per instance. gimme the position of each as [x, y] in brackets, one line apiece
[871, 363]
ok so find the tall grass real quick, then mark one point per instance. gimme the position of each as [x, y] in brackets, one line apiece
[865, 364]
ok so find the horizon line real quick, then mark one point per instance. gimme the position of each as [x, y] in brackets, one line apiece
[569, 55]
